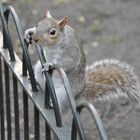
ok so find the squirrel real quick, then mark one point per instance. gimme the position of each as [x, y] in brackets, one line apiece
[102, 80]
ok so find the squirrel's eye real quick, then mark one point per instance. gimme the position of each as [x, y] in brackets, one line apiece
[52, 32]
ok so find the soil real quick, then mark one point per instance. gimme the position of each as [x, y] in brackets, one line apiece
[107, 29]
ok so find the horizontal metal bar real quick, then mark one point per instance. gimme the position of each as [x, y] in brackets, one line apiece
[37, 98]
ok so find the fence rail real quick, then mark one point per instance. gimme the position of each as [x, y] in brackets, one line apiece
[10, 62]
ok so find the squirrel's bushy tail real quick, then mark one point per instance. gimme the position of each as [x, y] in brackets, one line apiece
[110, 78]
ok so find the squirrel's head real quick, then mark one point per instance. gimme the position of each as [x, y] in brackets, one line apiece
[60, 43]
[49, 30]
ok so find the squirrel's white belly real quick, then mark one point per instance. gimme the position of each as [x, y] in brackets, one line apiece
[59, 88]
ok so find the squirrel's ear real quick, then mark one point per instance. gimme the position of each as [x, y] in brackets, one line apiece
[63, 22]
[48, 15]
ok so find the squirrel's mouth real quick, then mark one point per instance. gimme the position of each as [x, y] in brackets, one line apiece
[40, 40]
[36, 39]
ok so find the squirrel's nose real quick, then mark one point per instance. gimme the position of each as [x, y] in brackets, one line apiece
[36, 38]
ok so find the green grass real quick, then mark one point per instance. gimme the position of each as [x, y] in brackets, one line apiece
[112, 39]
[96, 26]
[57, 3]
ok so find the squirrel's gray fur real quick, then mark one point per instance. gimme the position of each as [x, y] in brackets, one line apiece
[103, 79]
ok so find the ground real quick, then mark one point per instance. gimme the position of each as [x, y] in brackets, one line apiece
[107, 29]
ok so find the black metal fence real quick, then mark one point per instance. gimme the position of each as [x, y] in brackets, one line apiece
[14, 71]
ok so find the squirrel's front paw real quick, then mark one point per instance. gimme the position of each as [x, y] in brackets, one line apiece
[47, 67]
[29, 33]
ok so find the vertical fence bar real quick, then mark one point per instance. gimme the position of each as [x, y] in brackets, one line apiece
[26, 116]
[16, 108]
[36, 124]
[47, 132]
[50, 88]
[8, 108]
[1, 104]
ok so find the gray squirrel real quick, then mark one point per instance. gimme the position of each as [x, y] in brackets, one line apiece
[104, 79]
